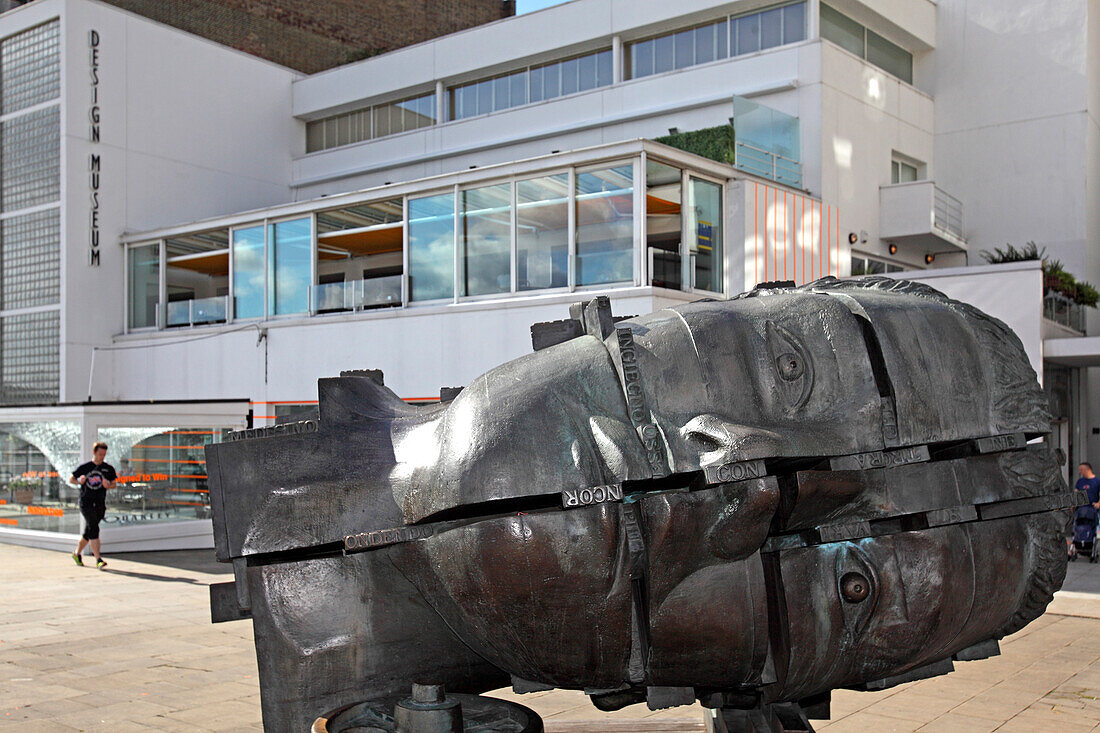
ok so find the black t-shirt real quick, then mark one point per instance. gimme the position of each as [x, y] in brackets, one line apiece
[93, 487]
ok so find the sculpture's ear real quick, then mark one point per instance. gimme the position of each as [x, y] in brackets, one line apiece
[355, 396]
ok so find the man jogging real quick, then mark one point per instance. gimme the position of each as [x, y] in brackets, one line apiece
[94, 478]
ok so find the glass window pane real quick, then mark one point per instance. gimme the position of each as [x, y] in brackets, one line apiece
[794, 23]
[875, 267]
[484, 97]
[542, 224]
[30, 159]
[663, 224]
[587, 71]
[315, 136]
[663, 54]
[30, 259]
[722, 46]
[771, 28]
[641, 59]
[518, 92]
[705, 234]
[501, 93]
[895, 172]
[144, 283]
[289, 267]
[859, 266]
[30, 358]
[569, 76]
[605, 225]
[841, 30]
[248, 272]
[551, 81]
[889, 57]
[381, 121]
[534, 79]
[485, 219]
[431, 247]
[704, 44]
[906, 173]
[31, 68]
[748, 34]
[603, 68]
[684, 45]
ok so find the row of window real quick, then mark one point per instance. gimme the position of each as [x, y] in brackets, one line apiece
[865, 43]
[371, 122]
[871, 266]
[572, 227]
[731, 36]
[725, 38]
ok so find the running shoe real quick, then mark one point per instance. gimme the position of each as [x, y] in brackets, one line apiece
[78, 559]
[101, 564]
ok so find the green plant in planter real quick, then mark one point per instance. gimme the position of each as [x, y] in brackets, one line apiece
[1055, 276]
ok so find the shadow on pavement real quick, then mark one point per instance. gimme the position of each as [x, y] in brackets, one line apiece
[150, 576]
[1082, 577]
[197, 561]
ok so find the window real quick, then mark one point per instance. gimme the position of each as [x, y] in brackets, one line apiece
[30, 259]
[359, 256]
[704, 212]
[197, 278]
[248, 272]
[533, 84]
[30, 159]
[431, 247]
[289, 267]
[664, 224]
[485, 241]
[144, 282]
[902, 172]
[31, 68]
[865, 43]
[605, 225]
[542, 232]
[372, 122]
[30, 358]
[871, 266]
[717, 40]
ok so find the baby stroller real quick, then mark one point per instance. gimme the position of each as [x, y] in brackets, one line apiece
[1085, 521]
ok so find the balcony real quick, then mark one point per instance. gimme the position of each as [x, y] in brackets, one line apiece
[767, 165]
[198, 311]
[1062, 310]
[923, 215]
[354, 295]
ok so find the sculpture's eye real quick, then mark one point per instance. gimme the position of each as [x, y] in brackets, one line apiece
[789, 366]
[854, 587]
[792, 365]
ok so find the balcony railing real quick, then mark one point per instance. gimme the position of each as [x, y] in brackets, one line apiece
[197, 311]
[356, 294]
[948, 212]
[1062, 310]
[767, 165]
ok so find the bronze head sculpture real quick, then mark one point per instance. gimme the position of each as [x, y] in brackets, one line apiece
[748, 502]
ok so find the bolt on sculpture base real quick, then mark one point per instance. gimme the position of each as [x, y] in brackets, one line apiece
[748, 503]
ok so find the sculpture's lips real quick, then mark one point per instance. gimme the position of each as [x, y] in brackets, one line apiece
[770, 497]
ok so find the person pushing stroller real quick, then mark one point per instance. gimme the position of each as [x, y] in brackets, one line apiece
[1087, 517]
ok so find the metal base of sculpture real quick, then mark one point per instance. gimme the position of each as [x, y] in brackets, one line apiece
[429, 710]
[747, 503]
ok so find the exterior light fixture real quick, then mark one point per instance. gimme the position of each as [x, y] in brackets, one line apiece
[893, 248]
[929, 258]
[852, 237]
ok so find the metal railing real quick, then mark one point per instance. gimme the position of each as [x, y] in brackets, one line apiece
[197, 311]
[1062, 310]
[355, 294]
[948, 212]
[767, 164]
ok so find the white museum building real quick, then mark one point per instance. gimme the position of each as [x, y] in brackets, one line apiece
[191, 236]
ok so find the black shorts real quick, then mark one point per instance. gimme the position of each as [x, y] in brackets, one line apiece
[91, 514]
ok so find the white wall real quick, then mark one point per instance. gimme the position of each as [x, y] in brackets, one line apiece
[1012, 292]
[420, 349]
[189, 129]
[866, 116]
[1010, 124]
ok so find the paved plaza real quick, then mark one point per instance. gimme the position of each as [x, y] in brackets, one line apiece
[133, 649]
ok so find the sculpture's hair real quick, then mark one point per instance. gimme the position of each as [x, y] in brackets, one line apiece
[1018, 402]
